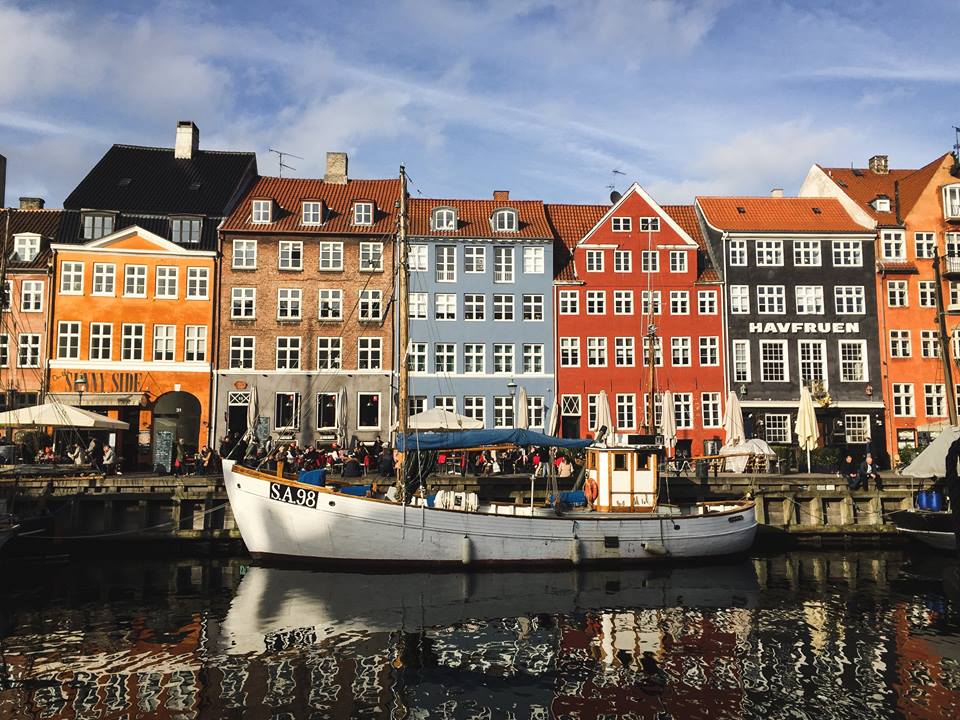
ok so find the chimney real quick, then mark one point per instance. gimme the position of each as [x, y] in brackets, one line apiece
[31, 203]
[3, 181]
[188, 140]
[776, 193]
[501, 195]
[336, 168]
[878, 165]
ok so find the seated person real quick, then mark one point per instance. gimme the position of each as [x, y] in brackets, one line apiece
[868, 471]
[849, 471]
[352, 468]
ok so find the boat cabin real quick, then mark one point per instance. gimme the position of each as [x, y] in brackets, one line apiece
[626, 480]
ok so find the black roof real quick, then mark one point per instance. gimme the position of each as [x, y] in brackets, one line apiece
[149, 180]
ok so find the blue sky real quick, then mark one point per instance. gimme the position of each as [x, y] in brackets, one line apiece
[541, 97]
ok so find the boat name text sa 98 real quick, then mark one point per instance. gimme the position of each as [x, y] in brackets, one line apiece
[294, 496]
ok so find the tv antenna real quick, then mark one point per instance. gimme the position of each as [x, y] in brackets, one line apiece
[956, 142]
[281, 155]
[612, 187]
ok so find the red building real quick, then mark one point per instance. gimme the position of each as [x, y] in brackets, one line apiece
[621, 267]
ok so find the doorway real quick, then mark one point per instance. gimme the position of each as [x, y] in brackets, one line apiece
[176, 416]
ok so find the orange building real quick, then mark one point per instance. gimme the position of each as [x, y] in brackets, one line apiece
[130, 337]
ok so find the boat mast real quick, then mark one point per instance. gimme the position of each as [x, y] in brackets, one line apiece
[404, 310]
[651, 331]
[944, 343]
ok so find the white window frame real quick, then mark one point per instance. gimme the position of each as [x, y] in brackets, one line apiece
[133, 340]
[104, 275]
[769, 253]
[363, 213]
[504, 220]
[474, 259]
[311, 212]
[331, 256]
[244, 254]
[197, 278]
[864, 361]
[743, 346]
[247, 297]
[621, 224]
[261, 211]
[533, 260]
[68, 339]
[371, 256]
[786, 361]
[287, 248]
[847, 250]
[807, 249]
[165, 277]
[446, 263]
[31, 296]
[74, 272]
[240, 346]
[101, 341]
[594, 260]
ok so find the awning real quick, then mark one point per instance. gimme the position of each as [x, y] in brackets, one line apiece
[98, 399]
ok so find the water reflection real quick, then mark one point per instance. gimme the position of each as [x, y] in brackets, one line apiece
[790, 636]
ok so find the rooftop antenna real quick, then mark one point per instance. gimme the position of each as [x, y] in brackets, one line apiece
[956, 142]
[280, 156]
[612, 187]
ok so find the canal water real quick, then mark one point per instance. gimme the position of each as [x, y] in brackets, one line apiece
[799, 635]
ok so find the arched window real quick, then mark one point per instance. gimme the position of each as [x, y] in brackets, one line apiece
[444, 219]
[505, 220]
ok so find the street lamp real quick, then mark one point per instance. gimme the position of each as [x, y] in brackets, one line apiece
[512, 387]
[80, 384]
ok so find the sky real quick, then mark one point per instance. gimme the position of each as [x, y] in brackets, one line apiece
[545, 98]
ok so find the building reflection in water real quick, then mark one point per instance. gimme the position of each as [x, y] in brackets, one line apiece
[790, 636]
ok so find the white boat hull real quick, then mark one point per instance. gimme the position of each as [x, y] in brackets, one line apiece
[318, 524]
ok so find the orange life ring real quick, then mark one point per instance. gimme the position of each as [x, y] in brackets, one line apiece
[591, 490]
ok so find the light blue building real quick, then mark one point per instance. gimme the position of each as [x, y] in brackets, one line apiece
[481, 309]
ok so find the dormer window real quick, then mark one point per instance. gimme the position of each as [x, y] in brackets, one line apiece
[312, 212]
[951, 202]
[363, 213]
[262, 211]
[881, 203]
[25, 248]
[649, 224]
[505, 220]
[186, 230]
[96, 225]
[444, 219]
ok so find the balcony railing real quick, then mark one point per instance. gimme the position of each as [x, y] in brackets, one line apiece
[951, 266]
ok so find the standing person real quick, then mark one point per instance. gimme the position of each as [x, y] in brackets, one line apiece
[95, 453]
[75, 453]
[953, 487]
[109, 460]
[868, 471]
[179, 457]
[565, 468]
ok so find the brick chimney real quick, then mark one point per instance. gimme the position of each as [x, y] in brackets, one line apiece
[501, 195]
[188, 140]
[336, 168]
[776, 193]
[31, 203]
[878, 165]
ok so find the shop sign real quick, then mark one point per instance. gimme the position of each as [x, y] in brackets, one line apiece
[805, 327]
[104, 382]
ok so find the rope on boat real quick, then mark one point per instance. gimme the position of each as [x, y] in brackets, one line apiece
[126, 532]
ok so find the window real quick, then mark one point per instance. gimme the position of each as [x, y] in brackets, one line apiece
[288, 353]
[503, 358]
[769, 252]
[928, 293]
[164, 343]
[244, 255]
[650, 302]
[198, 283]
[683, 410]
[288, 303]
[738, 253]
[503, 307]
[503, 411]
[881, 203]
[533, 307]
[777, 427]
[363, 213]
[680, 351]
[185, 230]
[740, 299]
[474, 306]
[893, 245]
[903, 405]
[445, 357]
[71, 278]
[475, 406]
[952, 241]
[900, 344]
[533, 260]
[101, 341]
[896, 293]
[596, 302]
[710, 409]
[291, 255]
[533, 358]
[135, 280]
[853, 361]
[569, 352]
[370, 306]
[657, 351]
[773, 361]
[331, 304]
[445, 402]
[417, 358]
[446, 263]
[132, 335]
[925, 244]
[649, 261]
[243, 305]
[707, 302]
[68, 340]
[649, 224]
[678, 261]
[592, 401]
[241, 352]
[418, 306]
[771, 300]
[809, 299]
[503, 264]
[329, 353]
[623, 352]
[25, 248]
[596, 352]
[331, 256]
[167, 285]
[951, 201]
[622, 261]
[621, 224]
[935, 400]
[445, 306]
[371, 257]
[626, 411]
[369, 353]
[569, 302]
[312, 212]
[31, 296]
[97, 226]
[474, 358]
[954, 295]
[416, 258]
[570, 405]
[6, 298]
[195, 343]
[286, 411]
[505, 221]
[709, 351]
[326, 410]
[28, 350]
[444, 219]
[849, 299]
[474, 259]
[260, 211]
[929, 346]
[623, 302]
[806, 253]
[813, 361]
[847, 253]
[679, 302]
[741, 361]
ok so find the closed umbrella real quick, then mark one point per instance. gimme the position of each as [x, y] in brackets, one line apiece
[733, 421]
[668, 421]
[522, 421]
[253, 411]
[554, 419]
[806, 428]
[342, 417]
[604, 418]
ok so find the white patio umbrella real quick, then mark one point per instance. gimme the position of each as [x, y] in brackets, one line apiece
[554, 419]
[437, 419]
[342, 416]
[733, 421]
[58, 415]
[668, 421]
[604, 418]
[521, 420]
[253, 411]
[806, 427]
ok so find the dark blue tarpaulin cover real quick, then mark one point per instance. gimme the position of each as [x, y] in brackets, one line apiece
[467, 439]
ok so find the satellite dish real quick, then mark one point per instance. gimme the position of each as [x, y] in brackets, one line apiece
[615, 196]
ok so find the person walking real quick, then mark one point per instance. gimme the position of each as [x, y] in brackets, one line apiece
[179, 457]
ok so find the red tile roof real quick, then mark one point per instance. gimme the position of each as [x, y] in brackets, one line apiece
[910, 188]
[49, 224]
[768, 214]
[473, 218]
[338, 199]
[863, 186]
[897, 267]
[686, 217]
[570, 223]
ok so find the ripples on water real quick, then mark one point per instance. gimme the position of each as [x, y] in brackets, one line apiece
[859, 635]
